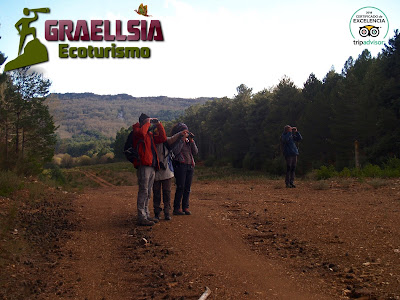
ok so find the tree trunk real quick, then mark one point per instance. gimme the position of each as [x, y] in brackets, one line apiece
[6, 141]
[356, 151]
[17, 134]
[23, 143]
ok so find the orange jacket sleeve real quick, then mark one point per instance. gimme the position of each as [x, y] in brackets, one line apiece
[162, 136]
[141, 132]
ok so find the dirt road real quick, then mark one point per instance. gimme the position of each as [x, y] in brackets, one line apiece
[245, 240]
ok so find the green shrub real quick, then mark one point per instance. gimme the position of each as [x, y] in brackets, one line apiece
[57, 159]
[326, 172]
[106, 158]
[84, 160]
[393, 163]
[357, 172]
[9, 182]
[372, 171]
[67, 161]
[57, 175]
[391, 173]
[36, 191]
[29, 166]
[391, 169]
[345, 173]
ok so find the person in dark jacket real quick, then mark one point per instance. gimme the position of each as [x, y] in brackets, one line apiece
[145, 141]
[183, 168]
[289, 138]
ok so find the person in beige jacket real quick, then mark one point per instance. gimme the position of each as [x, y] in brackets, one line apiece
[163, 178]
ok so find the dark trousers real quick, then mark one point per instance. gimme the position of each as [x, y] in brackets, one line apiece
[291, 162]
[165, 187]
[183, 175]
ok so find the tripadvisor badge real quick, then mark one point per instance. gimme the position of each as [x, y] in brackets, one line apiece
[369, 26]
[34, 52]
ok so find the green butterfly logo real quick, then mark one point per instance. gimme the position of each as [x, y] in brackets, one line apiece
[142, 10]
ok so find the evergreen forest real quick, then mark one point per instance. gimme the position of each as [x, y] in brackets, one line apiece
[360, 104]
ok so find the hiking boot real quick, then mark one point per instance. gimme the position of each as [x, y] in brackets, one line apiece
[154, 220]
[157, 216]
[292, 185]
[178, 212]
[145, 222]
[167, 217]
[187, 212]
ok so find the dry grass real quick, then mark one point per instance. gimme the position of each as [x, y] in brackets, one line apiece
[377, 183]
[345, 183]
[321, 185]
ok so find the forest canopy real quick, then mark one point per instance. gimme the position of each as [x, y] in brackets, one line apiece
[362, 103]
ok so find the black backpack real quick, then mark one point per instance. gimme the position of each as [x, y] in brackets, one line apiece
[132, 153]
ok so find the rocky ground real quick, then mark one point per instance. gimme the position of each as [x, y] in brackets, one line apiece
[246, 239]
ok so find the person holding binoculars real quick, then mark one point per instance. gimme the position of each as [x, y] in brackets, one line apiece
[289, 138]
[183, 149]
[148, 132]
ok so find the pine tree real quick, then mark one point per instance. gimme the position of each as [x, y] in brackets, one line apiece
[28, 126]
[119, 143]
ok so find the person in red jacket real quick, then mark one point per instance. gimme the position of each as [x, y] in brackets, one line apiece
[147, 133]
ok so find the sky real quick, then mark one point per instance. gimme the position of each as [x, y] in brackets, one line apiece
[209, 47]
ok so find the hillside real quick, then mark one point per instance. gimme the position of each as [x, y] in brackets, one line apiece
[78, 112]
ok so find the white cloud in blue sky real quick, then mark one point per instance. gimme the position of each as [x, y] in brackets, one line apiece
[210, 47]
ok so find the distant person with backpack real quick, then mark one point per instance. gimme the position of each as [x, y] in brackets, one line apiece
[147, 133]
[163, 177]
[289, 138]
[184, 149]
